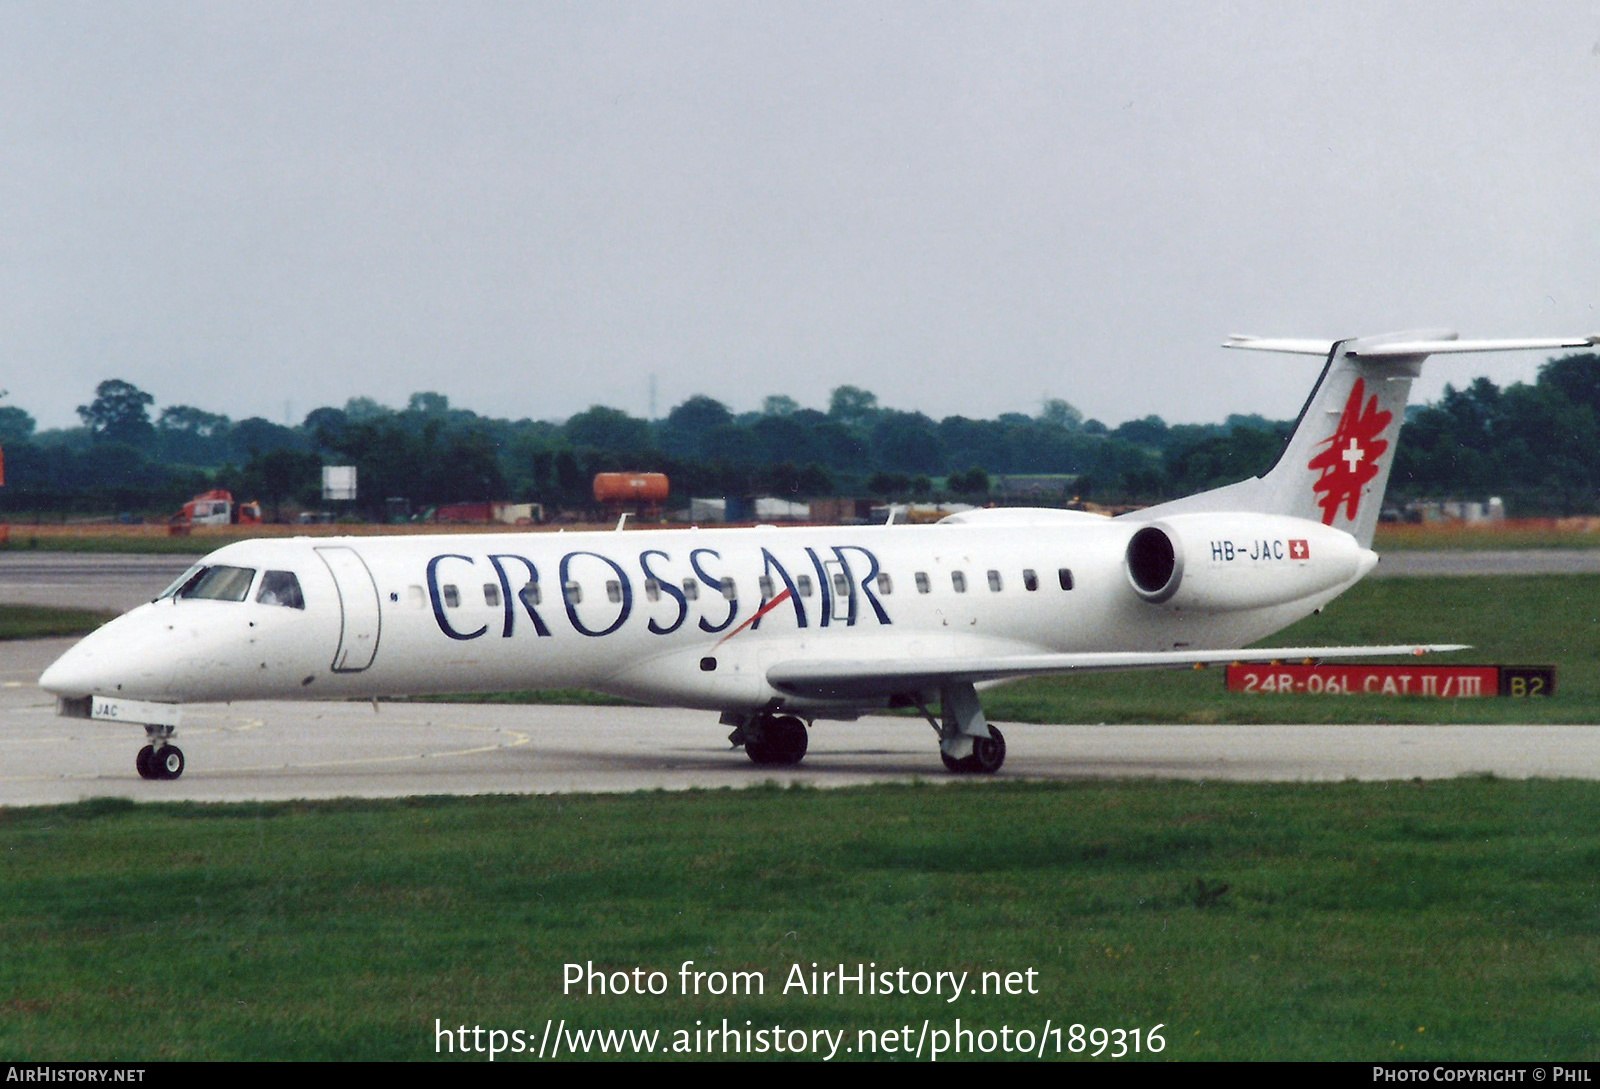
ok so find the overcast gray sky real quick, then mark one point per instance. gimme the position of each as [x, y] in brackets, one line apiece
[963, 207]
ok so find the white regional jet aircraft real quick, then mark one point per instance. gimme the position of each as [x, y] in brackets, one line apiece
[777, 627]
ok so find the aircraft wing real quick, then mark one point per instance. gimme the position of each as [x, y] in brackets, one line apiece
[858, 679]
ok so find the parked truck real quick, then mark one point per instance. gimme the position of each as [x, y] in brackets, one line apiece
[215, 508]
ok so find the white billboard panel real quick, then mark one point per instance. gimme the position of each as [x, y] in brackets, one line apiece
[338, 482]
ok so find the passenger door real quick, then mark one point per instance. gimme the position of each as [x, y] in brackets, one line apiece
[358, 607]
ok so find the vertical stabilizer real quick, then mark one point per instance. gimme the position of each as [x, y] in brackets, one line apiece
[1335, 466]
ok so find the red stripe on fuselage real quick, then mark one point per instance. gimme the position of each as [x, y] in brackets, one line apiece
[763, 611]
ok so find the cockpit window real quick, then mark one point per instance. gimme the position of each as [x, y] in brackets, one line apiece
[183, 581]
[219, 584]
[280, 588]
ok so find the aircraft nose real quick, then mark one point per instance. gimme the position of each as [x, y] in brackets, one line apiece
[75, 674]
[127, 653]
[208, 650]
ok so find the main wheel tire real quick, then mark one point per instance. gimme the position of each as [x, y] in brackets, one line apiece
[988, 753]
[788, 740]
[168, 762]
[145, 762]
[782, 741]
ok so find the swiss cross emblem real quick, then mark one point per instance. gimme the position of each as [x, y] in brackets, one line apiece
[1349, 459]
[1299, 550]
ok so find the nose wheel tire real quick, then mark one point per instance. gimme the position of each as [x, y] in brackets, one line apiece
[167, 763]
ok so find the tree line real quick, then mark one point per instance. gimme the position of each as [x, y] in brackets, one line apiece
[1534, 444]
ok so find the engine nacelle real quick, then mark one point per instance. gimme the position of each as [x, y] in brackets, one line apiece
[1223, 562]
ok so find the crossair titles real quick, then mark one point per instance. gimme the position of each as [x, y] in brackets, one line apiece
[662, 576]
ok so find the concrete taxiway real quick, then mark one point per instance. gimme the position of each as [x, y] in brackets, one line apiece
[113, 582]
[279, 751]
[1527, 561]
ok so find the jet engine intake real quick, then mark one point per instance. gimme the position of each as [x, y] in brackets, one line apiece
[1155, 564]
[1222, 562]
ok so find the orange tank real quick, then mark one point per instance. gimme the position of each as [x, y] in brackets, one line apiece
[630, 487]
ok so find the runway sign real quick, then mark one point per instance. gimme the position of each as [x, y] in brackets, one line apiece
[1442, 682]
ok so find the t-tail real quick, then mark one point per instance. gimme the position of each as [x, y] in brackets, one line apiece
[1336, 464]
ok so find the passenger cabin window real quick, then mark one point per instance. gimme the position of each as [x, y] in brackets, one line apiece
[219, 584]
[994, 581]
[923, 586]
[574, 592]
[691, 589]
[1030, 580]
[765, 583]
[652, 590]
[841, 586]
[729, 590]
[958, 581]
[1066, 578]
[452, 596]
[613, 591]
[803, 583]
[280, 588]
[530, 594]
[885, 584]
[491, 595]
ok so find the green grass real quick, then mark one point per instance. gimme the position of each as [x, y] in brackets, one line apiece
[38, 622]
[1442, 920]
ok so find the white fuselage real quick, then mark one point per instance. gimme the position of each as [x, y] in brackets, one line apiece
[696, 617]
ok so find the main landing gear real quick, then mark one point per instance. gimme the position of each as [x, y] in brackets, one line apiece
[988, 753]
[160, 759]
[772, 739]
[968, 745]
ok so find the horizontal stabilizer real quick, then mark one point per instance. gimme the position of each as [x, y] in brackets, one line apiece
[1398, 348]
[1442, 347]
[856, 679]
[1280, 344]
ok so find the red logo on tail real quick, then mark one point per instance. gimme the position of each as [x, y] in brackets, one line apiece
[1350, 461]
